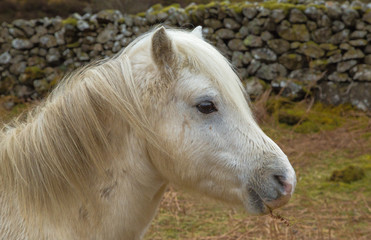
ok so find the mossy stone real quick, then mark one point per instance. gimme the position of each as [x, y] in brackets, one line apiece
[71, 21]
[348, 174]
[34, 72]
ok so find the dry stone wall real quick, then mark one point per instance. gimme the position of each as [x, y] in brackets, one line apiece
[323, 49]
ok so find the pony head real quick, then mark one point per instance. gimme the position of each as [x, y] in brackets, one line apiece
[205, 136]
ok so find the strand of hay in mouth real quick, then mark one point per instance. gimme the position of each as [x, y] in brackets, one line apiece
[280, 218]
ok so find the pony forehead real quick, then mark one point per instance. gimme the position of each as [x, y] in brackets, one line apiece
[199, 56]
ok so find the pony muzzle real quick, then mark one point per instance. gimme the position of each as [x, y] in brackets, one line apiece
[284, 186]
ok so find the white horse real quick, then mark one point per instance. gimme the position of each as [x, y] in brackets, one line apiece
[93, 161]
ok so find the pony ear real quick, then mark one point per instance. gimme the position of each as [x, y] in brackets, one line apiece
[198, 32]
[163, 52]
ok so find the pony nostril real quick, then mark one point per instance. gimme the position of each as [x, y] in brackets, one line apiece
[282, 182]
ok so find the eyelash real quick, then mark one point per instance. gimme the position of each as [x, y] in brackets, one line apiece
[206, 107]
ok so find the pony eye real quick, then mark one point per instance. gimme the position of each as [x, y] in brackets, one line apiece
[206, 107]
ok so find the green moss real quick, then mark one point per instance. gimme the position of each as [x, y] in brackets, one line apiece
[284, 6]
[71, 21]
[297, 117]
[319, 63]
[121, 20]
[348, 174]
[73, 45]
[290, 117]
[141, 14]
[157, 7]
[34, 72]
[328, 46]
[166, 9]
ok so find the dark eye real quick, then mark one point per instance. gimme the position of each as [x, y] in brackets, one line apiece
[206, 107]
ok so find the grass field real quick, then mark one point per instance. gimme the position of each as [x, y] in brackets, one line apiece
[317, 140]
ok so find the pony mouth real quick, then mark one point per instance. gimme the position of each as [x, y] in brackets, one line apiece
[257, 204]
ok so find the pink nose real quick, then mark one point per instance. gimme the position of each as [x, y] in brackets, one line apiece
[285, 192]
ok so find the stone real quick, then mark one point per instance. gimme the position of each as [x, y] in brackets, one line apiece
[83, 56]
[254, 87]
[244, 31]
[277, 15]
[322, 35]
[5, 58]
[349, 16]
[41, 85]
[297, 16]
[7, 84]
[334, 11]
[22, 91]
[271, 71]
[312, 49]
[337, 57]
[358, 42]
[59, 37]
[106, 35]
[263, 12]
[18, 68]
[229, 23]
[253, 67]
[340, 37]
[265, 36]
[324, 21]
[213, 23]
[48, 41]
[353, 54]
[367, 59]
[249, 12]
[247, 58]
[362, 73]
[313, 13]
[296, 32]
[339, 77]
[17, 33]
[236, 45]
[358, 34]
[288, 88]
[225, 33]
[26, 26]
[109, 16]
[279, 46]
[255, 26]
[295, 45]
[116, 46]
[36, 60]
[291, 61]
[311, 26]
[367, 17]
[237, 59]
[21, 44]
[345, 66]
[306, 75]
[328, 46]
[264, 54]
[53, 57]
[368, 49]
[345, 46]
[253, 41]
[82, 25]
[337, 26]
[320, 64]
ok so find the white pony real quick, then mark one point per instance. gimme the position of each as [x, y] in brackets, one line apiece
[93, 161]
